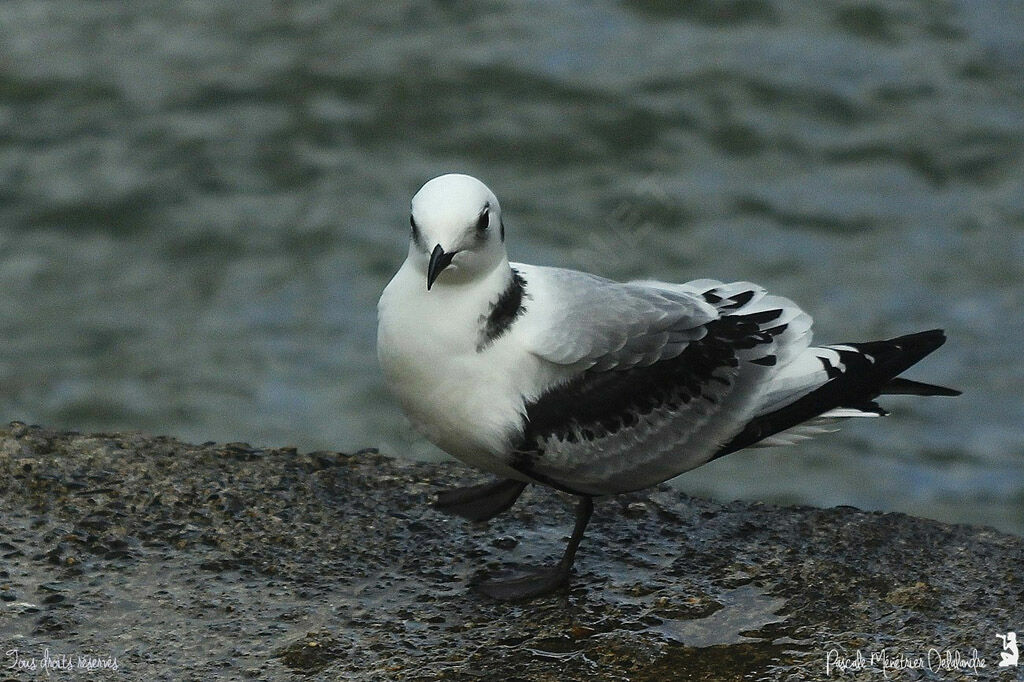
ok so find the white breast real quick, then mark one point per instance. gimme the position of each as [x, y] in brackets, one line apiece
[467, 402]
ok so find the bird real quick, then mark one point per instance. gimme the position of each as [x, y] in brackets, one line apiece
[594, 387]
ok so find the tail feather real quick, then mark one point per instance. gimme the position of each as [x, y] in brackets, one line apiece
[901, 386]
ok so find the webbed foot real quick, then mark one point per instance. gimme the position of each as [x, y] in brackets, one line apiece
[526, 585]
[539, 582]
[480, 502]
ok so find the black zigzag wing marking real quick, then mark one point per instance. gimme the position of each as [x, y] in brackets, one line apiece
[504, 311]
[737, 301]
[868, 370]
[597, 404]
[831, 371]
[768, 360]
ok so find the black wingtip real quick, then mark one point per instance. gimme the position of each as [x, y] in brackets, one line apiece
[897, 354]
[878, 364]
[921, 343]
[915, 347]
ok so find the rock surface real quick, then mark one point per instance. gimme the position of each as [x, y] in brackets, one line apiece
[231, 562]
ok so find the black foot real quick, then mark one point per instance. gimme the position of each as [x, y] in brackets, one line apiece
[526, 586]
[544, 581]
[480, 502]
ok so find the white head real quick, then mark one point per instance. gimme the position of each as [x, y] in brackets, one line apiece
[457, 229]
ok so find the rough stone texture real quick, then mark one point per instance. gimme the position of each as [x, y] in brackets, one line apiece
[230, 562]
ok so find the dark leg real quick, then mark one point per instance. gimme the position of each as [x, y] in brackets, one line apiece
[544, 581]
[480, 502]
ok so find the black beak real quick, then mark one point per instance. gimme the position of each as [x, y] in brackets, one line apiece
[439, 260]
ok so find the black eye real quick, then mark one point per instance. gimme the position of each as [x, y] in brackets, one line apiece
[412, 222]
[484, 221]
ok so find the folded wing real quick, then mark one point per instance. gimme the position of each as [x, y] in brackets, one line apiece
[661, 376]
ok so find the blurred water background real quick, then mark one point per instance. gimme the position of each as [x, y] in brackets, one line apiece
[200, 202]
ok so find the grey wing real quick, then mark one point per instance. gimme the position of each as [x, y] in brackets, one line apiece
[664, 376]
[589, 322]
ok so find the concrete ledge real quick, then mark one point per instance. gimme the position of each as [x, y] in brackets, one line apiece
[230, 562]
